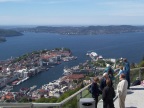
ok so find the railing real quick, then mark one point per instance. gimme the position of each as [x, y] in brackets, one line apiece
[71, 100]
[63, 104]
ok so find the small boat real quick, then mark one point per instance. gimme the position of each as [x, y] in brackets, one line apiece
[33, 87]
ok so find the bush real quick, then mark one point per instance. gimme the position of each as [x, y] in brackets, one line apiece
[141, 64]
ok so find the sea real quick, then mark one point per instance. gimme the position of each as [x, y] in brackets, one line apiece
[126, 45]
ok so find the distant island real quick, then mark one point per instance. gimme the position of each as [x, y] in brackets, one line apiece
[84, 30]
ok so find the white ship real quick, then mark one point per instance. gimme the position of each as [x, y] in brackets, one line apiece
[24, 79]
[67, 71]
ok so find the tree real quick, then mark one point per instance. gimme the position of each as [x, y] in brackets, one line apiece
[142, 58]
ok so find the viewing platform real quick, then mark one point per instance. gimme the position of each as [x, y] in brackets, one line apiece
[134, 98]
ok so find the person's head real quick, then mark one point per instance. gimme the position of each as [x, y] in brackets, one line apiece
[121, 67]
[96, 79]
[125, 60]
[105, 75]
[122, 76]
[108, 82]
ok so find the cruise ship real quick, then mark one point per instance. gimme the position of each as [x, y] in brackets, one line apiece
[67, 71]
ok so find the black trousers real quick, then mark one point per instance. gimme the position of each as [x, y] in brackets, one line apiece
[96, 102]
[128, 80]
[108, 104]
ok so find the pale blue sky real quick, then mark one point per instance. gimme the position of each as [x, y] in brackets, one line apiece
[71, 12]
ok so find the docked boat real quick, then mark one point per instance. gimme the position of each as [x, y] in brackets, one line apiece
[18, 82]
[33, 87]
[24, 79]
[15, 82]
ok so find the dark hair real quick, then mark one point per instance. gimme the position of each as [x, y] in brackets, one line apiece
[125, 60]
[95, 79]
[121, 67]
[122, 75]
[108, 82]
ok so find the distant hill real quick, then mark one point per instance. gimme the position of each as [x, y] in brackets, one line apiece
[84, 30]
[9, 33]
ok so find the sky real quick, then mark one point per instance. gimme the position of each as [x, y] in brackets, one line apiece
[71, 12]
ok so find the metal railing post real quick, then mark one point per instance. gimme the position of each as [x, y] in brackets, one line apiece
[31, 105]
[78, 98]
[140, 70]
[60, 106]
[80, 94]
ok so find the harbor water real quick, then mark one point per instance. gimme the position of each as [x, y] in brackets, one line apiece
[129, 45]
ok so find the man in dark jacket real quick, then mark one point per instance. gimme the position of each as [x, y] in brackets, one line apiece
[127, 71]
[103, 81]
[108, 95]
[95, 90]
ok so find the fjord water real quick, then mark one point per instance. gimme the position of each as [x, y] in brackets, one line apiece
[129, 45]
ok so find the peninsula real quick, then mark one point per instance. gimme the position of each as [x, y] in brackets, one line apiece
[2, 39]
[8, 33]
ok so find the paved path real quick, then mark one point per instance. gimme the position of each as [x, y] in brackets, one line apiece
[134, 98]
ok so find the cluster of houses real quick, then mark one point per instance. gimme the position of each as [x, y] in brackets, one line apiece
[57, 87]
[53, 89]
[16, 70]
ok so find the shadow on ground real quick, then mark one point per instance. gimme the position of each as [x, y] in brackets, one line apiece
[137, 88]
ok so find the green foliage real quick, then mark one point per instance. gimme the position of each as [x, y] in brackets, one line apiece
[43, 51]
[100, 63]
[87, 78]
[67, 49]
[24, 100]
[142, 58]
[132, 65]
[109, 62]
[62, 97]
[91, 74]
[57, 49]
[75, 81]
[141, 64]
[47, 100]
[35, 52]
[71, 104]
